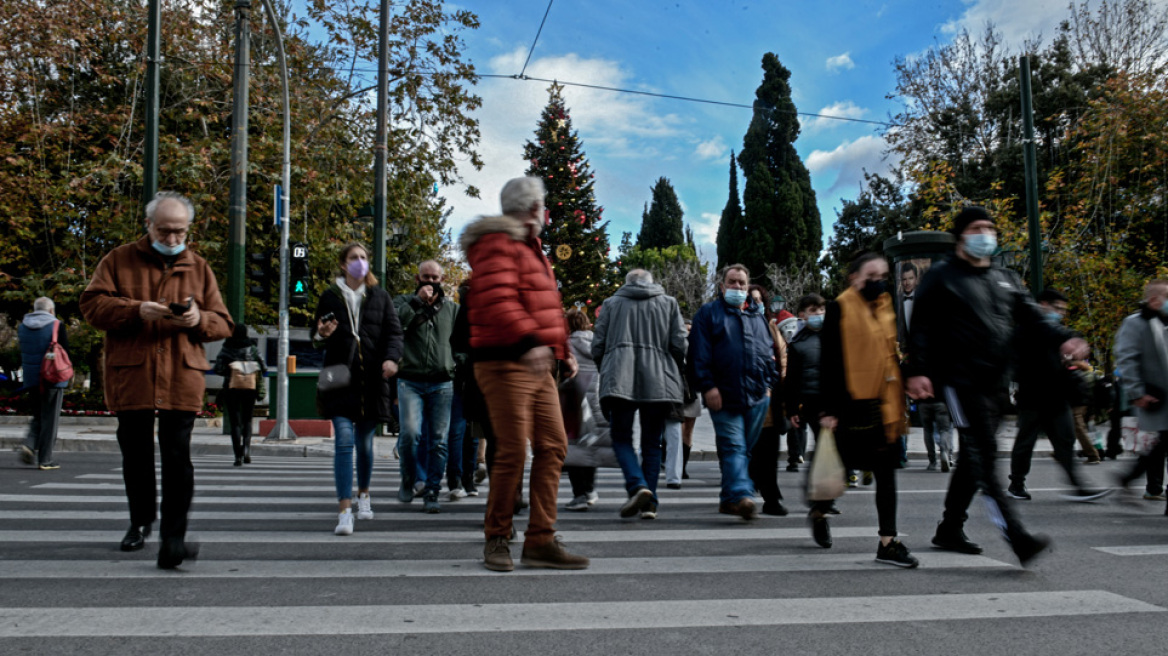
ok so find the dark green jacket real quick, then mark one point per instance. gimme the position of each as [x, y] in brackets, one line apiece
[427, 355]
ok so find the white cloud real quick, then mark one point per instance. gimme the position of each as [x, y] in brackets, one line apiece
[1017, 21]
[613, 125]
[839, 62]
[714, 149]
[841, 171]
[841, 109]
[705, 229]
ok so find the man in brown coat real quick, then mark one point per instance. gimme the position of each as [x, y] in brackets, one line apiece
[155, 362]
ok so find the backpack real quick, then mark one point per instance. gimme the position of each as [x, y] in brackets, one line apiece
[56, 367]
[243, 374]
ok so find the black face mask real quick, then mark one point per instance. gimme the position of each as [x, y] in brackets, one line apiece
[873, 289]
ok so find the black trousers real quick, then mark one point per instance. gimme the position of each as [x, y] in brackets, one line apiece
[136, 439]
[1058, 422]
[583, 480]
[764, 464]
[810, 407]
[884, 471]
[977, 415]
[240, 409]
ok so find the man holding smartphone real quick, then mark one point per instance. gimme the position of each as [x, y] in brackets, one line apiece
[155, 363]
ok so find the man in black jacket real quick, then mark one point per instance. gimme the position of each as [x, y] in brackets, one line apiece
[1045, 388]
[959, 349]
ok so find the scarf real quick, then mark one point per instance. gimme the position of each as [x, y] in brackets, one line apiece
[353, 300]
[868, 340]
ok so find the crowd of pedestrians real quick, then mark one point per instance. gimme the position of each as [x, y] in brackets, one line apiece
[478, 384]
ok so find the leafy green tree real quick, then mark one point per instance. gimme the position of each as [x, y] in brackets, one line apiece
[662, 224]
[782, 204]
[575, 239]
[729, 227]
[881, 211]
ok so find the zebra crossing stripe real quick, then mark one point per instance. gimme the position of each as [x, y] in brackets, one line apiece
[301, 569]
[208, 621]
[1149, 550]
[325, 536]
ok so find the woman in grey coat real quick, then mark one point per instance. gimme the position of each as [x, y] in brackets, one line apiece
[1141, 354]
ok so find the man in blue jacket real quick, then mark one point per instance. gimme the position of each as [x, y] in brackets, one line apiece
[734, 366]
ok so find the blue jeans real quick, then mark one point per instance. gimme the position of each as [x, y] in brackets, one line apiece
[432, 401]
[643, 474]
[454, 440]
[735, 434]
[352, 435]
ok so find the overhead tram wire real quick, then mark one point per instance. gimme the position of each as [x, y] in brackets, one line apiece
[705, 101]
[537, 33]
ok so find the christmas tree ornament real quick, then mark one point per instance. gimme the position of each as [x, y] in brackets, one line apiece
[563, 252]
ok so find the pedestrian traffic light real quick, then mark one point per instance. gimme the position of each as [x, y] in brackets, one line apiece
[260, 274]
[299, 275]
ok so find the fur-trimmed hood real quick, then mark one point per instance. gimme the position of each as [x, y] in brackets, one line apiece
[489, 225]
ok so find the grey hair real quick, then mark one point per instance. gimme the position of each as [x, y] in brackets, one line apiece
[43, 304]
[519, 195]
[436, 263]
[639, 277]
[152, 206]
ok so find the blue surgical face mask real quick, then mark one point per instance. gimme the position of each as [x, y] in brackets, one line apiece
[981, 245]
[735, 297]
[815, 321]
[169, 251]
[1054, 317]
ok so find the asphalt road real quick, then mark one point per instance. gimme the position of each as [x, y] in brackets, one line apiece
[273, 579]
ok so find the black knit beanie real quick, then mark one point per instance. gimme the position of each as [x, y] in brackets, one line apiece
[967, 216]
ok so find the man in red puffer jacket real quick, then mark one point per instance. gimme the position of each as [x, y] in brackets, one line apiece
[517, 333]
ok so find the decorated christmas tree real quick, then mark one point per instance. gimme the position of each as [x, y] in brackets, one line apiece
[576, 238]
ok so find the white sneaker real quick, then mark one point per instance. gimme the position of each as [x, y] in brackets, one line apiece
[593, 497]
[457, 493]
[364, 507]
[344, 523]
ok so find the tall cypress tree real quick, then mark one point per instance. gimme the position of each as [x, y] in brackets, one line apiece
[791, 218]
[729, 227]
[662, 225]
[575, 239]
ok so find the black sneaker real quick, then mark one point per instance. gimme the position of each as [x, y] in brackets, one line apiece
[639, 501]
[1028, 547]
[1018, 492]
[895, 553]
[955, 540]
[792, 467]
[775, 508]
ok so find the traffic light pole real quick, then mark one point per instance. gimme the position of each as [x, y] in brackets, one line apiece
[1029, 159]
[282, 431]
[237, 203]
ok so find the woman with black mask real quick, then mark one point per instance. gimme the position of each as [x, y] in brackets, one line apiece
[243, 370]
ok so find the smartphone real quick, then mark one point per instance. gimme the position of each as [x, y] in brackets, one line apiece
[177, 309]
[328, 317]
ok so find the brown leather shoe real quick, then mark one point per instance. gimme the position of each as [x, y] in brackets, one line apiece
[552, 556]
[497, 555]
[744, 508]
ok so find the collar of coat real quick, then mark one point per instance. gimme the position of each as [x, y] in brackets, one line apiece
[513, 226]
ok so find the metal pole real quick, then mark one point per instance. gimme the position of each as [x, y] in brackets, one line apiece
[282, 431]
[153, 55]
[237, 205]
[380, 153]
[1029, 160]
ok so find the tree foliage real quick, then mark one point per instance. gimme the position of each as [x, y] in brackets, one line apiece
[679, 269]
[662, 223]
[730, 225]
[780, 220]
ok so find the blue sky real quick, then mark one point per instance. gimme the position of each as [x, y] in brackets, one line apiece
[840, 54]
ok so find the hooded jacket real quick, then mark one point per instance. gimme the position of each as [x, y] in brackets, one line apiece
[639, 345]
[35, 333]
[517, 304]
[963, 325]
[154, 365]
[803, 370]
[732, 349]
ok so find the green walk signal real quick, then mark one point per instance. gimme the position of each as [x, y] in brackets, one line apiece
[299, 275]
